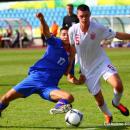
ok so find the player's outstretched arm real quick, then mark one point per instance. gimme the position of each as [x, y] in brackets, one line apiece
[122, 36]
[44, 27]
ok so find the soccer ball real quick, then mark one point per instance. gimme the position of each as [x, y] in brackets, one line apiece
[73, 117]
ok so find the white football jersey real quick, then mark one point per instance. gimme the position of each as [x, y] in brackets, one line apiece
[90, 53]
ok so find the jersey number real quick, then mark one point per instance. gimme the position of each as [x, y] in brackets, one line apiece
[61, 61]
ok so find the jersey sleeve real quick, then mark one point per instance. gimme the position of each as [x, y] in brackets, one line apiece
[53, 41]
[71, 35]
[108, 33]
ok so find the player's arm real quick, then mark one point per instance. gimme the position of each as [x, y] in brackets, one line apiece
[122, 36]
[71, 59]
[73, 49]
[82, 79]
[44, 27]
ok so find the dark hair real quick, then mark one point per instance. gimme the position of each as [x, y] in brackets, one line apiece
[64, 28]
[83, 7]
[71, 5]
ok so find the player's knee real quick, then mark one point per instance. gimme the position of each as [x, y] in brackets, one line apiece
[119, 87]
[70, 98]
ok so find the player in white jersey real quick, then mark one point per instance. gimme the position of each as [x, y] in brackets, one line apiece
[86, 37]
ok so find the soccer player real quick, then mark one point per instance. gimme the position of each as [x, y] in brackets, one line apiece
[85, 37]
[45, 74]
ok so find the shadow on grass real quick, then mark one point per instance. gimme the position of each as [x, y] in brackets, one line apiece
[113, 126]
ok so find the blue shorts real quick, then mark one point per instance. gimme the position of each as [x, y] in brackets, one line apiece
[34, 84]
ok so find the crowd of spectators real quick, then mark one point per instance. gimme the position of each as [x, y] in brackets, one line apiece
[115, 44]
[14, 39]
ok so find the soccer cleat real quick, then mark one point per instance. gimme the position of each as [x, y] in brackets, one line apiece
[122, 109]
[61, 109]
[0, 114]
[108, 119]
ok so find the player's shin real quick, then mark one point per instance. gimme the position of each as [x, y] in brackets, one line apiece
[117, 98]
[107, 113]
[116, 103]
[105, 109]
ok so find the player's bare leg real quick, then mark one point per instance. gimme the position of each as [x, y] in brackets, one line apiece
[9, 96]
[63, 100]
[103, 107]
[116, 83]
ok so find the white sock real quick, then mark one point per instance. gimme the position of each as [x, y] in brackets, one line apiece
[117, 98]
[105, 109]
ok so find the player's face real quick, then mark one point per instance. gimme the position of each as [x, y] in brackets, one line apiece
[64, 36]
[69, 9]
[83, 16]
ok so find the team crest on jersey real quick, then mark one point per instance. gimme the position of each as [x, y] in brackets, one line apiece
[110, 30]
[93, 35]
[77, 38]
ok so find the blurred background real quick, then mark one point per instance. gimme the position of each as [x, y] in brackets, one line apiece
[17, 19]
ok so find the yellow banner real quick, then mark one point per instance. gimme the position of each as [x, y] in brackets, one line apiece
[113, 2]
[34, 4]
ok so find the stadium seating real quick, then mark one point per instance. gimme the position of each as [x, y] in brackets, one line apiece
[57, 14]
[110, 10]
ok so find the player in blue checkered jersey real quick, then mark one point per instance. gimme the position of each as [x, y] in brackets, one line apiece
[45, 74]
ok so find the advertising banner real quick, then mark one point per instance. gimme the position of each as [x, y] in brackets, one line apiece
[113, 2]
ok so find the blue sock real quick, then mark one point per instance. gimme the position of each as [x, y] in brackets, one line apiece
[61, 102]
[3, 106]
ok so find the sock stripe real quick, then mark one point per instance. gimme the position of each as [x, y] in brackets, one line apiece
[3, 106]
[61, 102]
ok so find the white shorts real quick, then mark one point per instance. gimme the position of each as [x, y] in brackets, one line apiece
[93, 79]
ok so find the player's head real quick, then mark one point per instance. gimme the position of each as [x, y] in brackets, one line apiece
[69, 9]
[83, 13]
[64, 35]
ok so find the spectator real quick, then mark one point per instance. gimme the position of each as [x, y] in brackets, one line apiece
[70, 18]
[9, 33]
[6, 40]
[24, 39]
[1, 40]
[16, 42]
[54, 28]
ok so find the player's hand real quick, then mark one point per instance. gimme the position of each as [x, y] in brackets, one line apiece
[39, 16]
[82, 79]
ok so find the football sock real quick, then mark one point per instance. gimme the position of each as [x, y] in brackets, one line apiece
[61, 102]
[105, 109]
[117, 98]
[3, 106]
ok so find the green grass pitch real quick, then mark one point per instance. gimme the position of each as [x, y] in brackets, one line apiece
[32, 113]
